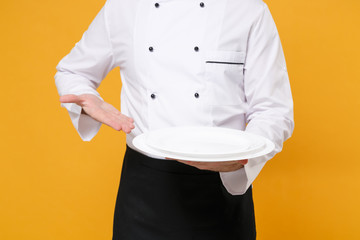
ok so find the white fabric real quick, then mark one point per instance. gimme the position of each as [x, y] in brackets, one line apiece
[253, 94]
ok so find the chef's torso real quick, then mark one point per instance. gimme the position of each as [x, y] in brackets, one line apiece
[182, 61]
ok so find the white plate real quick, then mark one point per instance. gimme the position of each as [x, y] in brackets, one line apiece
[140, 142]
[204, 141]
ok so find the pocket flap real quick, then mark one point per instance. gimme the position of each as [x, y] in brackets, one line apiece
[225, 57]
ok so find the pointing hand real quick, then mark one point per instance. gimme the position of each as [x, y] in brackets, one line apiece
[101, 111]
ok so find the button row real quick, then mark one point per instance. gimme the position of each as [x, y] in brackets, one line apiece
[196, 49]
[153, 96]
[157, 5]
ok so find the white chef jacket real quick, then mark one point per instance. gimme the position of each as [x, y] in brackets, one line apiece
[186, 62]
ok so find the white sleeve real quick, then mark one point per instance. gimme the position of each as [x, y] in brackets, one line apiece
[82, 71]
[268, 96]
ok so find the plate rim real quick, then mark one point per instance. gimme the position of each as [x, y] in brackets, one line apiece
[140, 144]
[235, 132]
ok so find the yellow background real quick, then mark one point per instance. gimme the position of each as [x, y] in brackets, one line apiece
[54, 186]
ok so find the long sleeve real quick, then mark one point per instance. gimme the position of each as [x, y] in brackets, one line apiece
[269, 99]
[82, 71]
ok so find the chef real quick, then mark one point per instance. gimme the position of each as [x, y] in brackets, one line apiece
[216, 63]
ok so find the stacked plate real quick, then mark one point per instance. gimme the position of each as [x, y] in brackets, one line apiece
[204, 144]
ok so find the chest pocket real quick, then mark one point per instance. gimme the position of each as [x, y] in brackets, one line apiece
[224, 73]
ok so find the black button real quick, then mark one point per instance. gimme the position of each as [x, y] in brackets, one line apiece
[157, 5]
[151, 49]
[153, 96]
[202, 4]
[196, 49]
[197, 95]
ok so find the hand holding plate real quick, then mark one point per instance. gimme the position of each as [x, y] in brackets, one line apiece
[227, 166]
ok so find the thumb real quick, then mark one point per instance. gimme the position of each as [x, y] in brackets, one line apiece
[70, 98]
[243, 162]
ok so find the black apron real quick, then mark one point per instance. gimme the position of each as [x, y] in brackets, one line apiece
[168, 200]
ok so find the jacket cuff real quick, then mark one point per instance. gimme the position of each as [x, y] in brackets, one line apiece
[238, 182]
[235, 182]
[86, 126]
